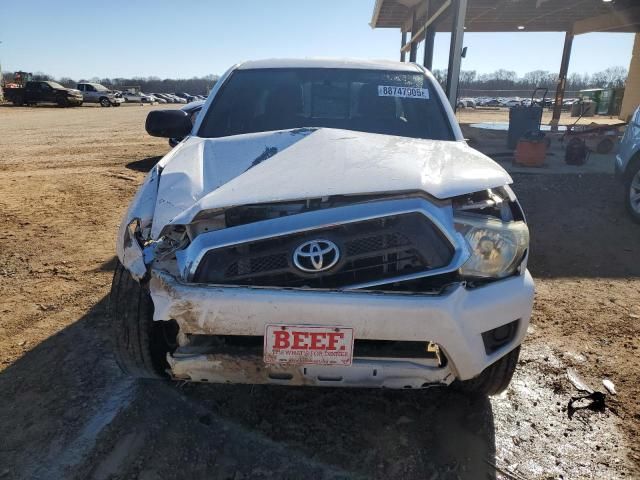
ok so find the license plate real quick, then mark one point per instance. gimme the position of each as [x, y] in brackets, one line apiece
[307, 345]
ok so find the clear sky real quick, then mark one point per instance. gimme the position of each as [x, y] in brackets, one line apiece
[118, 38]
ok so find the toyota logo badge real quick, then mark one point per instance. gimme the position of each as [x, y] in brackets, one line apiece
[316, 256]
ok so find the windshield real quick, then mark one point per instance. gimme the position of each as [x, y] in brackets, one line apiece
[375, 101]
[99, 87]
[55, 85]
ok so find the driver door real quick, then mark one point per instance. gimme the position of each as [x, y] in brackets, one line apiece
[47, 94]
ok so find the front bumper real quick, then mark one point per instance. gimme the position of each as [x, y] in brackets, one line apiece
[454, 320]
[116, 100]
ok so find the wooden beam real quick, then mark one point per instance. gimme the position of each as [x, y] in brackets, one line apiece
[562, 79]
[416, 36]
[617, 19]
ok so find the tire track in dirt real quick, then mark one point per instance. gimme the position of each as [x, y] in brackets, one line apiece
[61, 458]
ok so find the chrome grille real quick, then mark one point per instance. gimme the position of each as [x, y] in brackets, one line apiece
[371, 250]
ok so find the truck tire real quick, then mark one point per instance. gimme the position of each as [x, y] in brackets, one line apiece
[104, 102]
[140, 344]
[62, 101]
[495, 378]
[632, 188]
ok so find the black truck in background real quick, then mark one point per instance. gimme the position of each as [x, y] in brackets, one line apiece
[35, 92]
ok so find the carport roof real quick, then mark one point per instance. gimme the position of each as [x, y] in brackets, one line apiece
[508, 15]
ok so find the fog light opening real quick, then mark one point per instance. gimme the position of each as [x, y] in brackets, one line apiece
[499, 337]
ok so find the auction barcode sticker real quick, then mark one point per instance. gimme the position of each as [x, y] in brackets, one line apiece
[404, 92]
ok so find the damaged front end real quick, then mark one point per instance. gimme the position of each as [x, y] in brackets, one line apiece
[407, 279]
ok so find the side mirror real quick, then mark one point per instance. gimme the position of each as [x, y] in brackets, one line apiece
[168, 123]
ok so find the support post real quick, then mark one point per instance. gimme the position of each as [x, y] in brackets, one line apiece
[413, 52]
[631, 97]
[429, 40]
[403, 42]
[562, 79]
[455, 50]
[429, 36]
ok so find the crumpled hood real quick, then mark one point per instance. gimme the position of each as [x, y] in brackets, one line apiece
[204, 174]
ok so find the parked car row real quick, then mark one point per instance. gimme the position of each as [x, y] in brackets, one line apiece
[141, 97]
[34, 92]
[507, 102]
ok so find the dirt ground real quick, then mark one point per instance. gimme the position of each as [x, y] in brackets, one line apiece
[66, 177]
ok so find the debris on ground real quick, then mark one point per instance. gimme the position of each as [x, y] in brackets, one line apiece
[592, 400]
[578, 381]
[608, 384]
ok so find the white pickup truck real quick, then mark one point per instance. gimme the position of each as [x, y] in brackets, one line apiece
[323, 223]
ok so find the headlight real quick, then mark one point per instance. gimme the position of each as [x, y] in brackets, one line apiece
[497, 248]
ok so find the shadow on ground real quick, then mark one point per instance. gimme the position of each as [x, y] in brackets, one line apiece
[578, 226]
[143, 165]
[73, 415]
[109, 265]
[373, 433]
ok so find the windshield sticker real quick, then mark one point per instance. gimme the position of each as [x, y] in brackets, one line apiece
[403, 92]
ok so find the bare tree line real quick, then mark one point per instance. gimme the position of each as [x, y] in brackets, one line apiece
[508, 81]
[194, 85]
[470, 81]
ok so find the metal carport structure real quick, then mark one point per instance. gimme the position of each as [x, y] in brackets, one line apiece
[419, 20]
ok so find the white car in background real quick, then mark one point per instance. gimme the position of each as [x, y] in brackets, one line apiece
[163, 96]
[137, 97]
[511, 102]
[323, 223]
[176, 99]
[131, 97]
[156, 98]
[466, 103]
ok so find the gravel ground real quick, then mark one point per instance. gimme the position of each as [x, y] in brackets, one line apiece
[66, 176]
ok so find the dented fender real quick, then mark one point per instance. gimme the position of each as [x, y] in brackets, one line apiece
[141, 210]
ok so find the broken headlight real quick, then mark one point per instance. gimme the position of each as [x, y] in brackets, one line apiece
[497, 248]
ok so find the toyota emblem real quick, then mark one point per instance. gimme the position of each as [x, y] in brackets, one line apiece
[316, 256]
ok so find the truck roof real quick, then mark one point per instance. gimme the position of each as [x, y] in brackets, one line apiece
[329, 63]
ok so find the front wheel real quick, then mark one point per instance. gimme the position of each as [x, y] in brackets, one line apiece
[632, 190]
[105, 102]
[140, 343]
[63, 102]
[495, 378]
